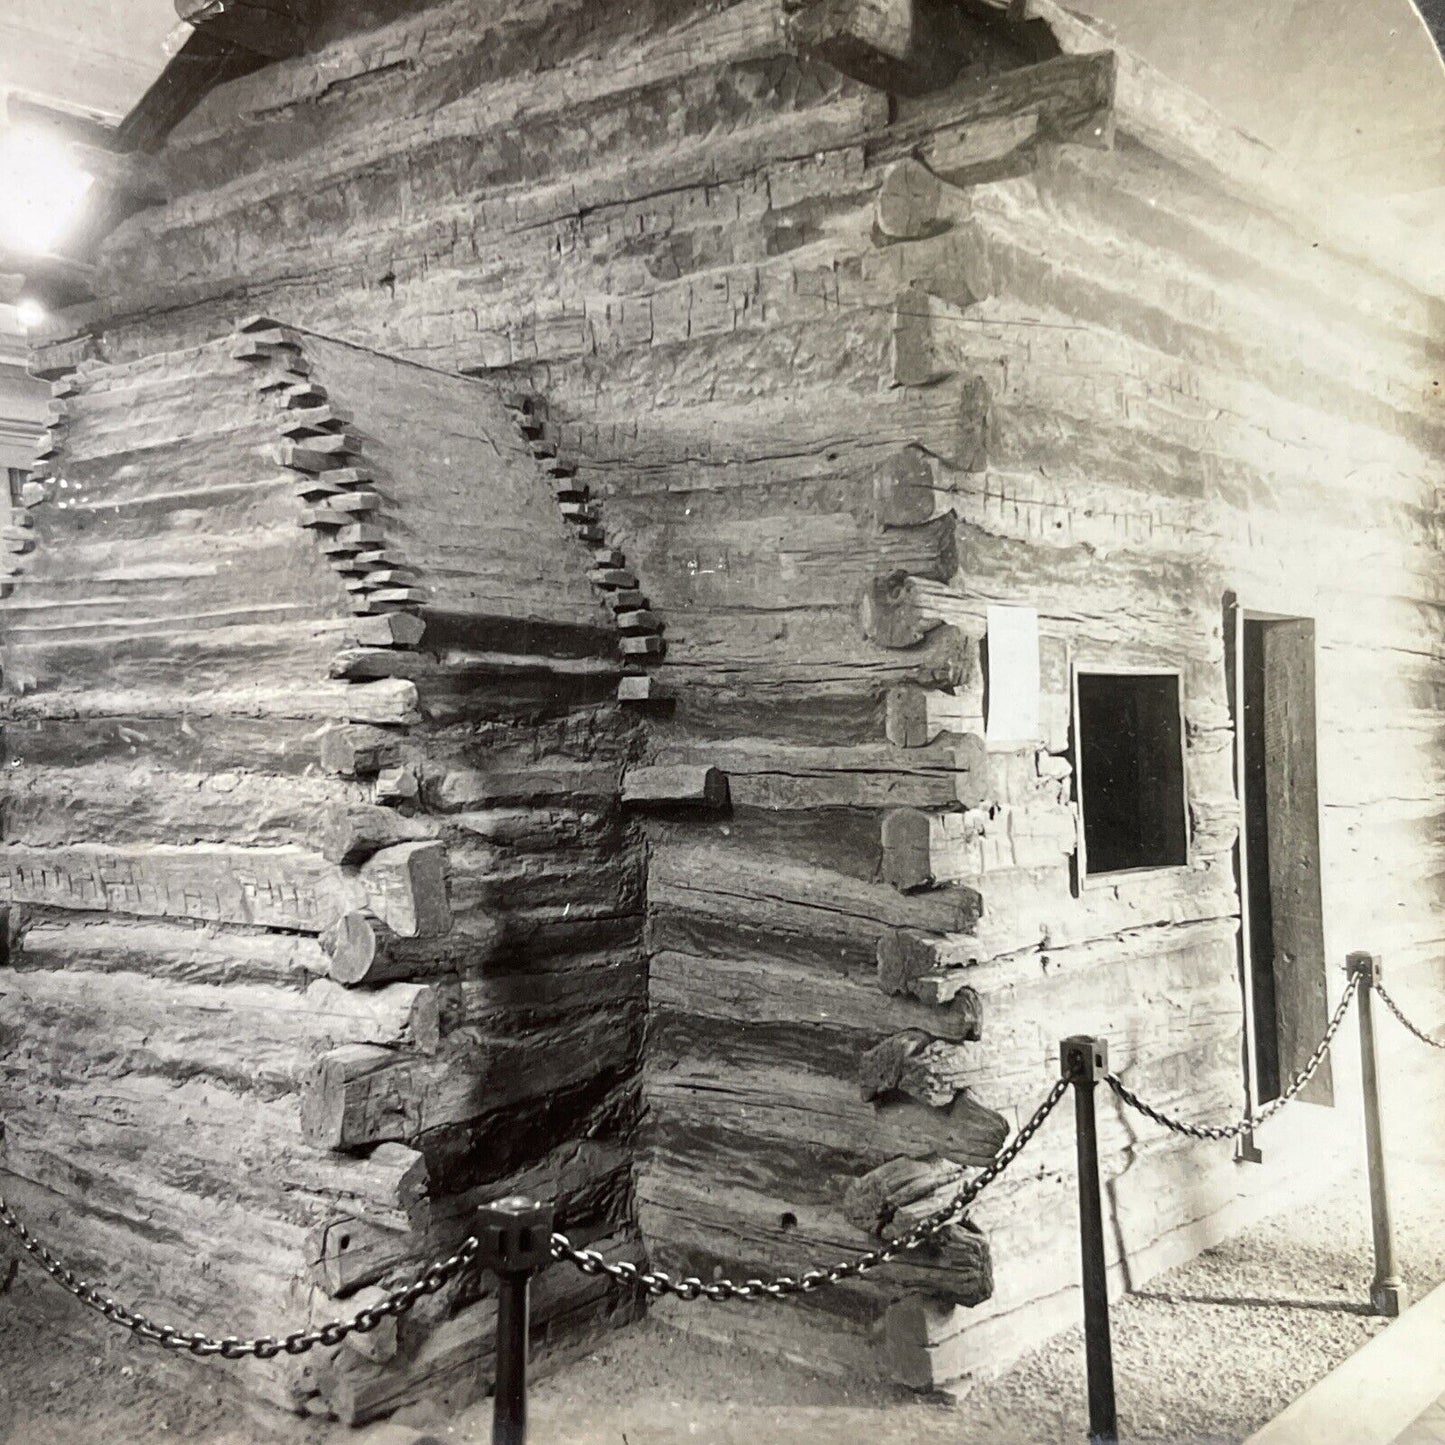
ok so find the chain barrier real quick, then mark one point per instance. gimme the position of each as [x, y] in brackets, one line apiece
[659, 1282]
[1250, 1122]
[1399, 1014]
[589, 1261]
[267, 1347]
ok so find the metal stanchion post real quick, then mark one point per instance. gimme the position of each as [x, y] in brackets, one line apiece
[1084, 1061]
[516, 1241]
[1387, 1292]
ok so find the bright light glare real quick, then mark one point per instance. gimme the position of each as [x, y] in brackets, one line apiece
[29, 313]
[41, 190]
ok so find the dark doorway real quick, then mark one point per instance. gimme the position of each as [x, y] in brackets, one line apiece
[1282, 933]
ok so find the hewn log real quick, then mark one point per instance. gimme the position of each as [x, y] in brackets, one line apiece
[661, 786]
[874, 1199]
[358, 752]
[909, 963]
[347, 1253]
[359, 1095]
[893, 614]
[908, 200]
[1067, 98]
[761, 987]
[906, 721]
[637, 622]
[406, 887]
[907, 862]
[396, 785]
[930, 1070]
[779, 894]
[774, 775]
[910, 1332]
[176, 951]
[49, 361]
[903, 489]
[377, 1345]
[361, 949]
[916, 359]
[798, 1086]
[463, 788]
[401, 1015]
[692, 1224]
[889, 1201]
[352, 832]
[172, 1145]
[389, 629]
[272, 887]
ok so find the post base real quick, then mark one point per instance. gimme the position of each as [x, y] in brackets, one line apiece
[1389, 1300]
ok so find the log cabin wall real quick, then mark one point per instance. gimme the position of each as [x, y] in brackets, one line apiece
[844, 367]
[325, 922]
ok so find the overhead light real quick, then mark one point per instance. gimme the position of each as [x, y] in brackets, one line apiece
[43, 188]
[29, 313]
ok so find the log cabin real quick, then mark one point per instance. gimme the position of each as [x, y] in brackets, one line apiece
[648, 604]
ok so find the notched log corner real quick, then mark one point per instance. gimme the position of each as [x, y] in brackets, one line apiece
[892, 614]
[907, 862]
[874, 1199]
[675, 786]
[353, 832]
[909, 202]
[908, 963]
[889, 1201]
[914, 1063]
[357, 751]
[903, 489]
[906, 721]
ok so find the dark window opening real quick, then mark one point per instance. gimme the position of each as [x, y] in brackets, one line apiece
[1129, 743]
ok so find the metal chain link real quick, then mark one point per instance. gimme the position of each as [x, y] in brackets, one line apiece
[659, 1282]
[267, 1347]
[1251, 1121]
[1399, 1014]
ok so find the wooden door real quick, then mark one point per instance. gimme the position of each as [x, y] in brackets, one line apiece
[1292, 811]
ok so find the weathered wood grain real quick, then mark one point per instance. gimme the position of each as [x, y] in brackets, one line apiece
[273, 887]
[360, 1095]
[1127, 380]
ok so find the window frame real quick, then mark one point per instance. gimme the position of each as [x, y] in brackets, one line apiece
[1082, 877]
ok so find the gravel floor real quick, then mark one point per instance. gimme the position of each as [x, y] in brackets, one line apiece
[1205, 1353]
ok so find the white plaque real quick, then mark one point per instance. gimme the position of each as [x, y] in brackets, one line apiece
[1013, 677]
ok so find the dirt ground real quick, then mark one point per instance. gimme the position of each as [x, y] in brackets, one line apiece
[1206, 1353]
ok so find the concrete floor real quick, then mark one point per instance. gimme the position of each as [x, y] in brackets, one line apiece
[1428, 1429]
